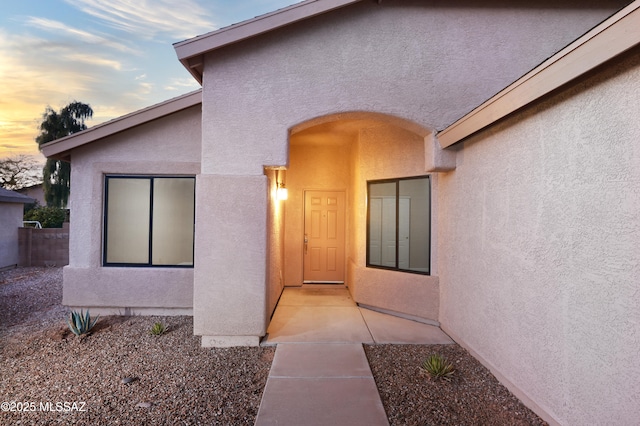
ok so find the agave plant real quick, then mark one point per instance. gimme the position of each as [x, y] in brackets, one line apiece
[157, 329]
[438, 367]
[81, 323]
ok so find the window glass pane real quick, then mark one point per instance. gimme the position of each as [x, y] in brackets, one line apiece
[128, 220]
[173, 214]
[399, 224]
[382, 224]
[413, 225]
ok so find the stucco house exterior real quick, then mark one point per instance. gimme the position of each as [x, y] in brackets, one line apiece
[11, 213]
[474, 165]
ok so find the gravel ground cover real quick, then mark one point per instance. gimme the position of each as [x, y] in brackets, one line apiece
[174, 380]
[121, 374]
[472, 396]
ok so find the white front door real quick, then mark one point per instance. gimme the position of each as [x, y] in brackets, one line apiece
[324, 236]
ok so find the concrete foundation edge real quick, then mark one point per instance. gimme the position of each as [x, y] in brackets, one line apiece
[133, 311]
[229, 341]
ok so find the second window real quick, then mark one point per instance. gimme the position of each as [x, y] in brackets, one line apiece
[398, 227]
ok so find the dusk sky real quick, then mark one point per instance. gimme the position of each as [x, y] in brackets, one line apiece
[115, 55]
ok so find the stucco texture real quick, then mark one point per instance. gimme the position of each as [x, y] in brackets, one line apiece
[170, 146]
[275, 221]
[230, 294]
[427, 64]
[539, 253]
[388, 152]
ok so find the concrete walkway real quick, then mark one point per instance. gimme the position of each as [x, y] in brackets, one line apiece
[320, 374]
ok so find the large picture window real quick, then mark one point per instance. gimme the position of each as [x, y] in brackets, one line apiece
[398, 224]
[149, 221]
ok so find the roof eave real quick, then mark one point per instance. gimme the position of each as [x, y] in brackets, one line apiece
[61, 148]
[8, 196]
[196, 47]
[16, 200]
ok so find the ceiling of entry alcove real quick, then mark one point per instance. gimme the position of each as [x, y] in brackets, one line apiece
[337, 132]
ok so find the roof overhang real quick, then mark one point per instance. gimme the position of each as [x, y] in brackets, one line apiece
[7, 196]
[191, 52]
[615, 35]
[61, 148]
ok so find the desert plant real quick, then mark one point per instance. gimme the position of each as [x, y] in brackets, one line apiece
[157, 329]
[81, 323]
[438, 367]
[49, 217]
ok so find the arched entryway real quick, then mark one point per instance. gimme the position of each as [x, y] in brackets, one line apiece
[334, 156]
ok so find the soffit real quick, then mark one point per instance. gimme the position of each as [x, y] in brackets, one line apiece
[337, 132]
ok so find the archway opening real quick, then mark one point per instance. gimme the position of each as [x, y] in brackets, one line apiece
[331, 160]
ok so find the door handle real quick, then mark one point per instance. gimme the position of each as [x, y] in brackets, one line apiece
[306, 243]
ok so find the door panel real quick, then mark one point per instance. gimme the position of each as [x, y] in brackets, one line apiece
[324, 228]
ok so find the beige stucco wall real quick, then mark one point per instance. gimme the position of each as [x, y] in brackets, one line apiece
[276, 227]
[539, 252]
[230, 280]
[427, 63]
[321, 166]
[171, 146]
[424, 62]
[389, 152]
[11, 220]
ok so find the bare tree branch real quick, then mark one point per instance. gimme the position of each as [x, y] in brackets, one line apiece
[20, 172]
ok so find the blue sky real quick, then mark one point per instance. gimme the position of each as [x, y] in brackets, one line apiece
[115, 55]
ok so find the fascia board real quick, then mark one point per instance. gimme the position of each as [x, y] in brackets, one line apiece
[612, 37]
[60, 148]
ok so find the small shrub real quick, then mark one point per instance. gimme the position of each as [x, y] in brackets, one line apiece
[438, 367]
[80, 323]
[157, 329]
[49, 217]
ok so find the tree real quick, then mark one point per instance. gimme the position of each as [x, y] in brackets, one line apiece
[56, 125]
[19, 172]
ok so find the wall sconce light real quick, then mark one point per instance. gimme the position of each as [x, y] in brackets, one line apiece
[283, 194]
[281, 191]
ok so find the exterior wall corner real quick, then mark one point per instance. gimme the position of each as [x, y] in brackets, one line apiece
[437, 159]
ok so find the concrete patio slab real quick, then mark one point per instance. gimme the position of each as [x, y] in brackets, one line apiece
[339, 324]
[316, 295]
[390, 329]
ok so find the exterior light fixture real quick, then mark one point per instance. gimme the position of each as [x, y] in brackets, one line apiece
[281, 191]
